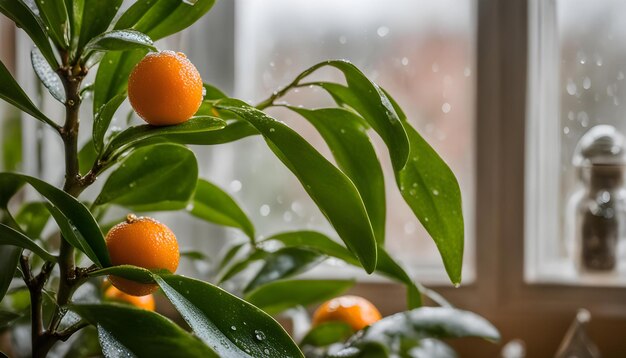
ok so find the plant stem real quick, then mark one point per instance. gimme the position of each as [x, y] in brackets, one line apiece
[42, 341]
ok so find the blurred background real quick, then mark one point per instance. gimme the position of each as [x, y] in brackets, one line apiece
[503, 91]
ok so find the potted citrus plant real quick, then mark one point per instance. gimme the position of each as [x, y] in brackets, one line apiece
[56, 284]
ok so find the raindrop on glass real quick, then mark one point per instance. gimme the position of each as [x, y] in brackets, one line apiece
[445, 108]
[382, 31]
[235, 186]
[264, 210]
[571, 87]
[587, 83]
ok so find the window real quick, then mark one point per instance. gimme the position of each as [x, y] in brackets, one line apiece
[576, 83]
[422, 52]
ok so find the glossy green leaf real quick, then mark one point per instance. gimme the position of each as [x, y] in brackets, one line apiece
[146, 172]
[73, 209]
[417, 324]
[390, 268]
[242, 264]
[32, 218]
[161, 18]
[321, 180]
[126, 332]
[346, 136]
[284, 263]
[9, 186]
[212, 204]
[9, 236]
[316, 241]
[278, 296]
[233, 131]
[7, 318]
[130, 272]
[120, 40]
[11, 139]
[327, 333]
[112, 76]
[230, 325]
[86, 157]
[194, 255]
[212, 93]
[102, 120]
[430, 188]
[138, 133]
[11, 92]
[47, 75]
[96, 18]
[9, 257]
[24, 18]
[54, 15]
[230, 255]
[72, 235]
[371, 103]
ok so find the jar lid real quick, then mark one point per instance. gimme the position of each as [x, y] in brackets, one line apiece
[601, 145]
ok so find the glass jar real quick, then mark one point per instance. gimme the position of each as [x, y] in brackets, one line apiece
[599, 206]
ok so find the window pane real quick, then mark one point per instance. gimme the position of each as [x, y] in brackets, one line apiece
[420, 51]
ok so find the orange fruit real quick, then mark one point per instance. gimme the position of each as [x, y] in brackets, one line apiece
[353, 310]
[165, 88]
[143, 242]
[146, 302]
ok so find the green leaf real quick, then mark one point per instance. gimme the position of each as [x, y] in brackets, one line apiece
[284, 263]
[242, 264]
[371, 103]
[346, 136]
[321, 243]
[212, 92]
[278, 296]
[112, 76]
[390, 268]
[418, 324]
[7, 318]
[130, 272]
[73, 209]
[194, 255]
[9, 257]
[162, 18]
[54, 15]
[212, 204]
[119, 40]
[233, 131]
[9, 236]
[135, 134]
[24, 18]
[321, 180]
[327, 333]
[230, 255]
[11, 139]
[316, 241]
[102, 120]
[86, 157]
[230, 325]
[32, 218]
[126, 331]
[11, 92]
[430, 188]
[150, 175]
[72, 235]
[96, 18]
[47, 75]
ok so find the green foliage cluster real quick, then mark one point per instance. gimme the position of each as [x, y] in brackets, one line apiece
[153, 169]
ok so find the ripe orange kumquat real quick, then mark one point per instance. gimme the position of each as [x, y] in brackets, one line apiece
[146, 302]
[353, 310]
[165, 88]
[143, 242]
